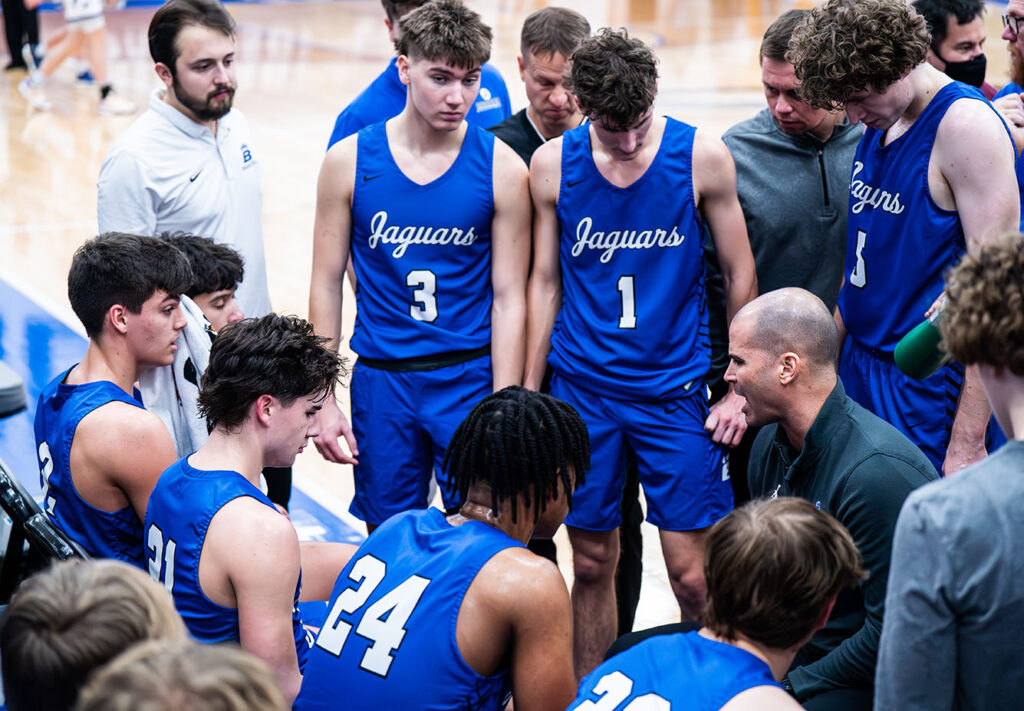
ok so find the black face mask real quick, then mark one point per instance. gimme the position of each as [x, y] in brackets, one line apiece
[970, 72]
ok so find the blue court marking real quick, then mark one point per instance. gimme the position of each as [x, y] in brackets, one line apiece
[38, 346]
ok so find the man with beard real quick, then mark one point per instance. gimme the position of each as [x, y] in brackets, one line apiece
[188, 164]
[958, 33]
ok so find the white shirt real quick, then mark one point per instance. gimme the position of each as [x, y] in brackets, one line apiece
[169, 173]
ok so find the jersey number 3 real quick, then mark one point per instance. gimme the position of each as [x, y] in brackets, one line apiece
[383, 622]
[424, 295]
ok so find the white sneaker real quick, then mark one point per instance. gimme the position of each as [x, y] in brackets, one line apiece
[28, 54]
[115, 105]
[34, 94]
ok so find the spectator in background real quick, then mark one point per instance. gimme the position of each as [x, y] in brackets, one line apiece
[958, 36]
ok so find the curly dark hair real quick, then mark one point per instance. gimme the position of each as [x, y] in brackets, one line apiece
[272, 355]
[983, 317]
[517, 441]
[615, 78]
[846, 46]
[445, 31]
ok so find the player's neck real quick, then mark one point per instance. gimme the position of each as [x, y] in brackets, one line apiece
[414, 133]
[926, 81]
[238, 451]
[110, 361]
[475, 509]
[778, 660]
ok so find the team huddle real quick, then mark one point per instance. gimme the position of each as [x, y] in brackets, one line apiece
[551, 306]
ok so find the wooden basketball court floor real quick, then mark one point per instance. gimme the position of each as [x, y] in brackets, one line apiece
[298, 64]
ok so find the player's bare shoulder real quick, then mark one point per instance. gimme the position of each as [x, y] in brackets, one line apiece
[338, 170]
[119, 429]
[546, 170]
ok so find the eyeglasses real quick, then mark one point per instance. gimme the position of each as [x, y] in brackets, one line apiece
[1013, 24]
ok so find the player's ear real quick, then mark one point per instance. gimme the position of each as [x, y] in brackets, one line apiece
[402, 63]
[522, 68]
[263, 408]
[117, 316]
[165, 74]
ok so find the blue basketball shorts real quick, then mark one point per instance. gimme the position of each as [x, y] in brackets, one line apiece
[923, 410]
[684, 474]
[403, 422]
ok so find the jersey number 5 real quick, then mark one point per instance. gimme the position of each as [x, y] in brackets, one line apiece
[859, 277]
[614, 688]
[383, 622]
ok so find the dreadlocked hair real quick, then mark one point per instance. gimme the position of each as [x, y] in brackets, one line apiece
[517, 441]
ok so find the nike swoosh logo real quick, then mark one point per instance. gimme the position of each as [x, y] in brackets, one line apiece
[193, 177]
[670, 410]
[570, 184]
[368, 178]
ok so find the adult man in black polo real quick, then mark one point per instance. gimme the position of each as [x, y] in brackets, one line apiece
[818, 444]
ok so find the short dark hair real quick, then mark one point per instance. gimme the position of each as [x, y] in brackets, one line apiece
[394, 9]
[215, 266]
[936, 12]
[273, 355]
[553, 30]
[775, 42]
[69, 620]
[772, 566]
[175, 15]
[445, 31]
[983, 316]
[517, 441]
[614, 77]
[118, 268]
[842, 47]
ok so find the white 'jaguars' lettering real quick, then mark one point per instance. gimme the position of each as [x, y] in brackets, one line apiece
[382, 233]
[868, 195]
[609, 242]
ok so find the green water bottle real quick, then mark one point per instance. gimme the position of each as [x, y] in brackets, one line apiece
[918, 353]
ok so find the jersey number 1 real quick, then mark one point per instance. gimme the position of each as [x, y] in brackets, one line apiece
[627, 315]
[383, 622]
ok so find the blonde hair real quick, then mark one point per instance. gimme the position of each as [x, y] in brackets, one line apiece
[175, 675]
[72, 618]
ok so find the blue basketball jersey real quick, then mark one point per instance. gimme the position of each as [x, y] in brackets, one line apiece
[422, 253]
[899, 242]
[633, 320]
[182, 504]
[103, 534]
[389, 639]
[677, 671]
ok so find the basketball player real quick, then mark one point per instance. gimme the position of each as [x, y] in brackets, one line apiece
[449, 612]
[436, 214]
[87, 29]
[774, 568]
[386, 96]
[220, 547]
[933, 177]
[90, 424]
[620, 207]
